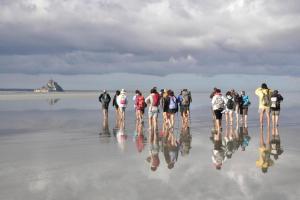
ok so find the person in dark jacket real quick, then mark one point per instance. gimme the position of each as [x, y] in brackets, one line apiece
[276, 99]
[104, 99]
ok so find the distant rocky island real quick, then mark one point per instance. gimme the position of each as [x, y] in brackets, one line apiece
[51, 86]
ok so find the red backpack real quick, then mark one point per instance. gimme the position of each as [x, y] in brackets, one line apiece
[140, 102]
[155, 99]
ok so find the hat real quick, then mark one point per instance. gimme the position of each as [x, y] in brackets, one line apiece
[123, 91]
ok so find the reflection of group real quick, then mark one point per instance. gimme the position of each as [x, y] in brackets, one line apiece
[225, 145]
[232, 102]
[170, 147]
[268, 148]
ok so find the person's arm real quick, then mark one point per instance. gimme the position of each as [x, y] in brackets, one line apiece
[213, 100]
[280, 98]
[100, 98]
[147, 100]
[258, 91]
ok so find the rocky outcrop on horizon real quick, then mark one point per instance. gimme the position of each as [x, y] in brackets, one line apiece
[51, 86]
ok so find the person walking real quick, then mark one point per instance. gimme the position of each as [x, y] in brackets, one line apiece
[153, 102]
[104, 99]
[122, 103]
[185, 100]
[115, 104]
[276, 99]
[139, 106]
[245, 103]
[173, 108]
[229, 108]
[264, 95]
[218, 105]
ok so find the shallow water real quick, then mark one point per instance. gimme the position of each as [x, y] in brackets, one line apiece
[56, 149]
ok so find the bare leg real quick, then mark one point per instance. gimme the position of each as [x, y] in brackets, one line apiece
[261, 118]
[268, 118]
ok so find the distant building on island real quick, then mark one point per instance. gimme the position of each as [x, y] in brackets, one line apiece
[51, 86]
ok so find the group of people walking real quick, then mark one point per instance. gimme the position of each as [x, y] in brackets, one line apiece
[238, 103]
[234, 105]
[164, 101]
[155, 102]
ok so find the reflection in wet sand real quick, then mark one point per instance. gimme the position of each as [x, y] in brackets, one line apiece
[264, 161]
[51, 102]
[185, 141]
[140, 138]
[276, 149]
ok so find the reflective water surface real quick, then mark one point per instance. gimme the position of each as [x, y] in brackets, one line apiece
[63, 149]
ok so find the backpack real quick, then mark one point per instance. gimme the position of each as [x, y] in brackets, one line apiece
[230, 104]
[123, 100]
[246, 101]
[140, 102]
[105, 98]
[266, 99]
[219, 102]
[274, 102]
[155, 99]
[173, 103]
[185, 98]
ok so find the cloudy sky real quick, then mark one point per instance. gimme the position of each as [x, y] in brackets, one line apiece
[150, 37]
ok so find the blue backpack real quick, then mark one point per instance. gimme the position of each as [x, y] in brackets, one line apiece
[173, 103]
[246, 101]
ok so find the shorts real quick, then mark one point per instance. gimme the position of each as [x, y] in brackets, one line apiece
[244, 111]
[184, 109]
[275, 112]
[218, 114]
[266, 109]
[229, 111]
[153, 112]
[172, 111]
[105, 106]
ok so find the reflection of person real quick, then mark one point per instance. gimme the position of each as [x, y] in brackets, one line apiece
[153, 157]
[185, 141]
[121, 138]
[218, 153]
[105, 127]
[264, 161]
[171, 154]
[243, 137]
[140, 138]
[276, 149]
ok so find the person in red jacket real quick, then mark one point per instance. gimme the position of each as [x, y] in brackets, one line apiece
[139, 106]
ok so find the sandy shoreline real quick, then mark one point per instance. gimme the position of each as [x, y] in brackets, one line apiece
[4, 96]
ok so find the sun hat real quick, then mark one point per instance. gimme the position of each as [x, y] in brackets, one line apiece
[123, 91]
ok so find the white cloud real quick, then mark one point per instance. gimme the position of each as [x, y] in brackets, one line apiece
[38, 36]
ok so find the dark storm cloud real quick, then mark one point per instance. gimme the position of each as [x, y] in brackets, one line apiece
[150, 37]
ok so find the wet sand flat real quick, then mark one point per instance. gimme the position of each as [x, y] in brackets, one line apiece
[56, 148]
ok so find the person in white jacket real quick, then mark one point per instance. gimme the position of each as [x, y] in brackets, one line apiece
[122, 103]
[218, 104]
